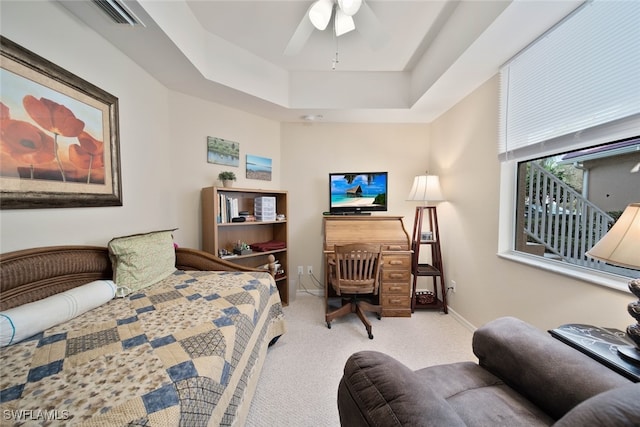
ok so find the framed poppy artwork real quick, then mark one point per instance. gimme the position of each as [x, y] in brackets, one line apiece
[59, 140]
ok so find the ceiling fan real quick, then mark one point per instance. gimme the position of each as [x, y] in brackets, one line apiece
[348, 15]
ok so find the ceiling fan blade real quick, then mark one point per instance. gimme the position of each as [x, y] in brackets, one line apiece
[300, 36]
[343, 23]
[369, 26]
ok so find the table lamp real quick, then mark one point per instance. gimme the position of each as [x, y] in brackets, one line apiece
[621, 246]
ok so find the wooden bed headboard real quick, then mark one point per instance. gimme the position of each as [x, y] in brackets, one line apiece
[32, 274]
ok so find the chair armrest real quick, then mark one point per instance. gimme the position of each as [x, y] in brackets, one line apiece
[378, 390]
[548, 372]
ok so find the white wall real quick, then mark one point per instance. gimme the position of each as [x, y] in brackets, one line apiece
[162, 140]
[311, 151]
[464, 151]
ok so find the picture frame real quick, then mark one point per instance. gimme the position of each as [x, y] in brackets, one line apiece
[60, 136]
[259, 167]
[223, 152]
[426, 236]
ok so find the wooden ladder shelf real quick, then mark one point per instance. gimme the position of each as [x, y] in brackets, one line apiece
[429, 236]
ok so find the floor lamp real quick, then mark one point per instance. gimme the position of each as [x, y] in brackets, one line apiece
[426, 189]
[621, 246]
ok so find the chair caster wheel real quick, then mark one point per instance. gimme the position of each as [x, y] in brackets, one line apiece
[329, 325]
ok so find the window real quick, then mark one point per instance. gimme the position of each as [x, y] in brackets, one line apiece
[570, 102]
[567, 202]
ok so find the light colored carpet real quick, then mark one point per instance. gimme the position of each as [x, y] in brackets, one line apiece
[299, 382]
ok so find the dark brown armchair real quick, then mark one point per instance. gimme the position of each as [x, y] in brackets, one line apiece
[354, 272]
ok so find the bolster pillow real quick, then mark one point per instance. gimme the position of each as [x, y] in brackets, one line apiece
[24, 321]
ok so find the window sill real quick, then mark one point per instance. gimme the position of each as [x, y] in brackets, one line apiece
[595, 277]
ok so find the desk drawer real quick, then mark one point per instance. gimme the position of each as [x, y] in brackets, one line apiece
[391, 302]
[396, 262]
[395, 289]
[395, 246]
[402, 275]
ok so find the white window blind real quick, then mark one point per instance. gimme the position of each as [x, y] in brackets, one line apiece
[582, 75]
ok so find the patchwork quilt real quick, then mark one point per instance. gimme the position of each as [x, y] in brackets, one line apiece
[187, 352]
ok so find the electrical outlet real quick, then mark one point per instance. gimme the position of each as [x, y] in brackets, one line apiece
[309, 269]
[453, 286]
[300, 271]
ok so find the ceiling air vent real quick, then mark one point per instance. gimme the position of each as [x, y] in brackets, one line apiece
[117, 11]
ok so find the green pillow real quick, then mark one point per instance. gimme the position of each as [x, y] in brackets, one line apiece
[141, 260]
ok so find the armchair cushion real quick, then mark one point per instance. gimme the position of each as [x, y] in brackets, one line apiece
[546, 371]
[376, 389]
[619, 407]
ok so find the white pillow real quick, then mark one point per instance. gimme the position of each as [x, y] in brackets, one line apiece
[29, 319]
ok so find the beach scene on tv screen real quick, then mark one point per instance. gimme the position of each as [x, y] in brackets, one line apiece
[358, 190]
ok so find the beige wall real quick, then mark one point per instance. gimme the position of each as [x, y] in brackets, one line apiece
[144, 129]
[311, 151]
[162, 140]
[192, 120]
[611, 183]
[463, 151]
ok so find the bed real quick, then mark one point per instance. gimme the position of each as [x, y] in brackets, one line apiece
[187, 350]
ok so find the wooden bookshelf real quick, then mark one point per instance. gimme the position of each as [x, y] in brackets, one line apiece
[219, 233]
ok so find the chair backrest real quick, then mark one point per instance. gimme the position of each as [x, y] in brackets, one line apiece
[357, 268]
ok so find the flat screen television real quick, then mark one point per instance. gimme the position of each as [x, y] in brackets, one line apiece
[354, 193]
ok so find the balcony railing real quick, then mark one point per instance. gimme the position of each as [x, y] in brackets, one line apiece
[559, 218]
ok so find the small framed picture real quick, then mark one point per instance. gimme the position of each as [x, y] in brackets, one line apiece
[426, 236]
[258, 167]
[223, 152]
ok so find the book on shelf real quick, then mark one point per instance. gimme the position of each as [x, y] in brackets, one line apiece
[228, 207]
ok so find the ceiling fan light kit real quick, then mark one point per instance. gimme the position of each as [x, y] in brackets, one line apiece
[350, 7]
[320, 13]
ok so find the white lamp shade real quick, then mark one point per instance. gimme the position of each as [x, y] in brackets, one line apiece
[426, 188]
[350, 7]
[320, 13]
[621, 245]
[344, 23]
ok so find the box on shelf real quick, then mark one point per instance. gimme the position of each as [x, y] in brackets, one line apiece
[264, 208]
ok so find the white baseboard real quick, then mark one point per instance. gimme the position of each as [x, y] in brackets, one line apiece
[464, 322]
[316, 292]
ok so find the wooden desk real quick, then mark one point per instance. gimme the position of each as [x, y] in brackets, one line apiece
[389, 232]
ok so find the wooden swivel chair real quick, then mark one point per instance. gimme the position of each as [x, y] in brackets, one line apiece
[355, 272]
